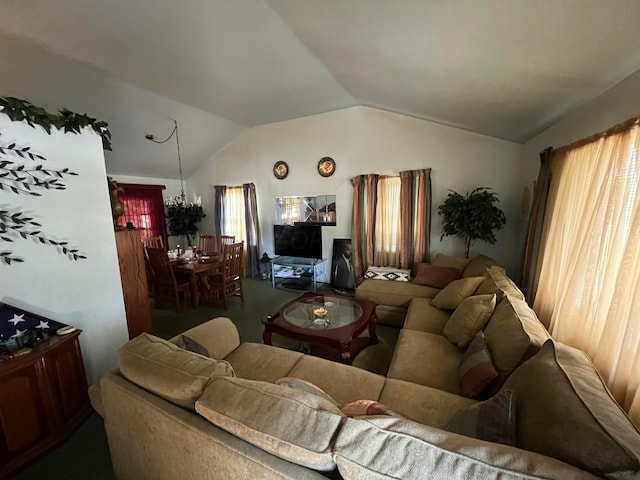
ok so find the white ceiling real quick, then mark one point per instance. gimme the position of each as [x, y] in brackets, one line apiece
[504, 68]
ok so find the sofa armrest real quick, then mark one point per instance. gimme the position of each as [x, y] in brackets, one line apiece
[95, 396]
[219, 336]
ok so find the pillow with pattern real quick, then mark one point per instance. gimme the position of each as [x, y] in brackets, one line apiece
[388, 273]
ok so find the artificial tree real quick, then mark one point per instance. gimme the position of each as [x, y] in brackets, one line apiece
[475, 216]
[182, 218]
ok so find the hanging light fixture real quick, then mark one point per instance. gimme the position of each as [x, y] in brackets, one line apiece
[149, 136]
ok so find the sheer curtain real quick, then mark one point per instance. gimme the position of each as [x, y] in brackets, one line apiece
[589, 263]
[387, 229]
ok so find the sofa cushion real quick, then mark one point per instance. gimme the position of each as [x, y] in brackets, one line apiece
[469, 318]
[498, 282]
[256, 361]
[391, 315]
[362, 408]
[424, 316]
[513, 334]
[453, 294]
[434, 275]
[426, 359]
[416, 452]
[477, 266]
[476, 370]
[299, 384]
[564, 410]
[294, 425]
[443, 260]
[388, 273]
[427, 405]
[167, 370]
[397, 294]
[493, 420]
[343, 382]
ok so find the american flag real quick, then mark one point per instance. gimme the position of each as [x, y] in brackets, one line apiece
[15, 322]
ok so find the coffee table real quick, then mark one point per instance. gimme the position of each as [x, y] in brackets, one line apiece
[334, 335]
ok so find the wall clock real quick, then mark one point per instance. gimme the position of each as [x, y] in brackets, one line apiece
[326, 166]
[280, 170]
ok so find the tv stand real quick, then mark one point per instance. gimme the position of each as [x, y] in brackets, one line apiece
[295, 272]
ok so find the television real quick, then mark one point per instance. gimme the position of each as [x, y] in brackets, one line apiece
[299, 240]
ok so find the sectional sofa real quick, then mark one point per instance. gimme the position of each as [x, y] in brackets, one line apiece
[476, 389]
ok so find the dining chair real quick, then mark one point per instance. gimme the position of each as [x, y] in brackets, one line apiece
[153, 242]
[165, 284]
[208, 244]
[227, 282]
[226, 240]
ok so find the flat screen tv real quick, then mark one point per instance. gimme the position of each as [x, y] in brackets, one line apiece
[299, 240]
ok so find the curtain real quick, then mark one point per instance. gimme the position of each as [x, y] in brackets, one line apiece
[144, 208]
[534, 232]
[589, 272]
[387, 229]
[252, 227]
[391, 220]
[233, 213]
[415, 211]
[218, 208]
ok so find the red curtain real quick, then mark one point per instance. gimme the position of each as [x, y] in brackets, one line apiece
[144, 208]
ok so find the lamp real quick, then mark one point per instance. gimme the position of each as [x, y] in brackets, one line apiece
[149, 136]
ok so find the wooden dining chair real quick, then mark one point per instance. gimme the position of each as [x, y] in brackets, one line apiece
[153, 242]
[166, 286]
[208, 244]
[226, 240]
[227, 282]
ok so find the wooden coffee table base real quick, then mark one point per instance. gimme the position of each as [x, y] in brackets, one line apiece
[338, 344]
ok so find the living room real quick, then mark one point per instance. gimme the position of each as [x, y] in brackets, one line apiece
[360, 137]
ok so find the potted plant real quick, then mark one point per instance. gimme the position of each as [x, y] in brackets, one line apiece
[182, 219]
[474, 216]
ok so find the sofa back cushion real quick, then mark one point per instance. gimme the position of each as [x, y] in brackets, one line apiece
[477, 266]
[451, 296]
[167, 370]
[376, 448]
[498, 282]
[513, 334]
[565, 410]
[292, 424]
[434, 275]
[449, 261]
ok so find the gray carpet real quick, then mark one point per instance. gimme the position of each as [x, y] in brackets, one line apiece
[86, 454]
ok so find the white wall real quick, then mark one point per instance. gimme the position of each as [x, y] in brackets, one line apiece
[366, 140]
[87, 293]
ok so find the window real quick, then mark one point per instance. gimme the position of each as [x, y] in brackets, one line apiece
[234, 217]
[144, 209]
[387, 231]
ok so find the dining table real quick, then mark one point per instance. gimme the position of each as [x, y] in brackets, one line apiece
[194, 267]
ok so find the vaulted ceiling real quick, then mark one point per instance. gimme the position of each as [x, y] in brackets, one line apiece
[504, 68]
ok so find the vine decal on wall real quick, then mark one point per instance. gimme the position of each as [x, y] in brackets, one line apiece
[19, 177]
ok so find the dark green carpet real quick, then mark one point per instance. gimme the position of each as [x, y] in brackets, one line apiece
[86, 454]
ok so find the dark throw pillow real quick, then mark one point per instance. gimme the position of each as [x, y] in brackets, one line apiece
[493, 420]
[191, 345]
[476, 370]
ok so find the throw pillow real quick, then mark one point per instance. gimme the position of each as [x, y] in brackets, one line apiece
[566, 411]
[453, 294]
[388, 273]
[448, 261]
[191, 345]
[360, 408]
[476, 371]
[299, 384]
[469, 318]
[493, 420]
[435, 275]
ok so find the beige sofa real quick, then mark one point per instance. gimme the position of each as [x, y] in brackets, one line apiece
[171, 414]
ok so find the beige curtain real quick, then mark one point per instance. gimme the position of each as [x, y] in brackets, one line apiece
[387, 229]
[589, 264]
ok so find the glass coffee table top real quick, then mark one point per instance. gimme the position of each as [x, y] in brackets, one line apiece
[321, 312]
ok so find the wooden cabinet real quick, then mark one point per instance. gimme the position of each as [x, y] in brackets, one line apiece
[43, 399]
[134, 282]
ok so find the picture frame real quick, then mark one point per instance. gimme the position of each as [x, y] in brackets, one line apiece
[343, 278]
[326, 166]
[280, 170]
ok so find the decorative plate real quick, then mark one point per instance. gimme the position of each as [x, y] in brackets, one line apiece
[280, 170]
[326, 166]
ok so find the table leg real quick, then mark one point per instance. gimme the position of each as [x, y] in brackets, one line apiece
[373, 323]
[266, 336]
[195, 291]
[345, 352]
